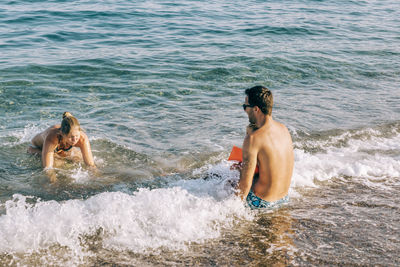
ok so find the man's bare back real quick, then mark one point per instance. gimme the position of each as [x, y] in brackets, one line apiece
[268, 143]
[275, 160]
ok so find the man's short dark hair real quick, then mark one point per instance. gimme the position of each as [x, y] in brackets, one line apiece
[261, 97]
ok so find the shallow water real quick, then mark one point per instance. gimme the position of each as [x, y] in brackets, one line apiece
[158, 88]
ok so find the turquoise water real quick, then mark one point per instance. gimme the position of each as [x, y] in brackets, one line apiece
[158, 87]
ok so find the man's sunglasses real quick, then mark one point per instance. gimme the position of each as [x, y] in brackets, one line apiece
[246, 106]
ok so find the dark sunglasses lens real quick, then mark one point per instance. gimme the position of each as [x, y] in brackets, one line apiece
[246, 105]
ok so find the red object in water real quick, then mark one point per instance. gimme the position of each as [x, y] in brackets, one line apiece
[236, 154]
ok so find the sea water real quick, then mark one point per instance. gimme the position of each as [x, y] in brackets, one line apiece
[158, 87]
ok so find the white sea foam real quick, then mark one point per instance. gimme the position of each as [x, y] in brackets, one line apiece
[367, 157]
[146, 220]
[80, 175]
[364, 138]
[22, 135]
[217, 182]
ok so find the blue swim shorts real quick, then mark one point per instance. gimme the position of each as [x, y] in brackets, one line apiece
[255, 202]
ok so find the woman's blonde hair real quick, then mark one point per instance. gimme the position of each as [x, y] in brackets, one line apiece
[68, 122]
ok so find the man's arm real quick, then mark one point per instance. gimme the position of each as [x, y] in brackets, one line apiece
[248, 167]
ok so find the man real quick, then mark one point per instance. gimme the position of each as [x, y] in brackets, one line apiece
[267, 143]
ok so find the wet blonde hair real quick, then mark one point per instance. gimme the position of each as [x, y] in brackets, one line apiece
[68, 122]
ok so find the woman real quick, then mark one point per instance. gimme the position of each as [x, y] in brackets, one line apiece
[59, 141]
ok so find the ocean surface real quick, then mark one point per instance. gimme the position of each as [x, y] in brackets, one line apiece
[158, 87]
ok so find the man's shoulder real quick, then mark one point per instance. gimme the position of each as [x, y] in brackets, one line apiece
[280, 126]
[277, 131]
[275, 126]
[282, 134]
[258, 137]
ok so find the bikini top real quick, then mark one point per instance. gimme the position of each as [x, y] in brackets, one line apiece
[61, 149]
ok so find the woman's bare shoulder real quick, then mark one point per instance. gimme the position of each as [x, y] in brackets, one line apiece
[52, 133]
[83, 139]
[55, 127]
[84, 136]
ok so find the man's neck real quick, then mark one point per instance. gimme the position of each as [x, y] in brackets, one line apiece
[263, 121]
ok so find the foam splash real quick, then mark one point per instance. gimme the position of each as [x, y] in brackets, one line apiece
[386, 137]
[146, 220]
[80, 175]
[366, 154]
[219, 183]
[217, 180]
[21, 136]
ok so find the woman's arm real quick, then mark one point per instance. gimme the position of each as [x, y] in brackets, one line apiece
[86, 150]
[50, 143]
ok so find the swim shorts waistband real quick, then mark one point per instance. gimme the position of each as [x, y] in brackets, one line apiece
[255, 202]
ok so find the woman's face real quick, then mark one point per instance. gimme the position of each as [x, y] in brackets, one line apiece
[73, 137]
